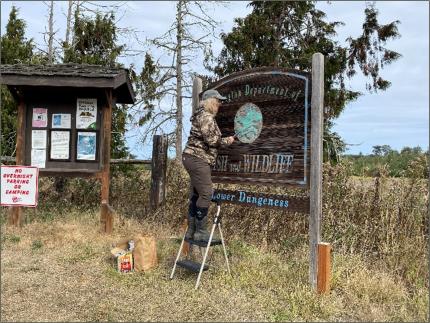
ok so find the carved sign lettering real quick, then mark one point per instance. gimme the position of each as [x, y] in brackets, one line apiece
[280, 202]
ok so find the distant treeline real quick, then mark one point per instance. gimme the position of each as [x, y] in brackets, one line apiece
[406, 162]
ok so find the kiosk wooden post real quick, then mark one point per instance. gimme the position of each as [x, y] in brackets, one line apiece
[106, 214]
[15, 215]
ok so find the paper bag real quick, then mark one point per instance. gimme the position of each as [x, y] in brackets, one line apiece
[144, 253]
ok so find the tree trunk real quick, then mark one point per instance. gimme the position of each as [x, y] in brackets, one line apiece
[51, 33]
[68, 24]
[77, 12]
[179, 36]
[278, 36]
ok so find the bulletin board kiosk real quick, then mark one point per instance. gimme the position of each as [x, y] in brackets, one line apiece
[64, 121]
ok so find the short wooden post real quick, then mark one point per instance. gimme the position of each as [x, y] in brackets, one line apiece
[316, 163]
[158, 172]
[15, 214]
[106, 214]
[324, 268]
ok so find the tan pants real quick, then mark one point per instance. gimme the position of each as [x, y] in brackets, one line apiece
[200, 176]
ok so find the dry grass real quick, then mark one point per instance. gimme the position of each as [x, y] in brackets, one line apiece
[57, 267]
[60, 270]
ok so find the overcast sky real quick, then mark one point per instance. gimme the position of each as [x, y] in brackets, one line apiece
[398, 117]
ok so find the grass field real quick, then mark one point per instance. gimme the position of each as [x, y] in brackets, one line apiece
[59, 269]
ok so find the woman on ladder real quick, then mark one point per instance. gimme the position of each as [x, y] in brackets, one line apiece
[198, 158]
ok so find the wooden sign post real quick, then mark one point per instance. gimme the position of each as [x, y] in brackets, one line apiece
[316, 163]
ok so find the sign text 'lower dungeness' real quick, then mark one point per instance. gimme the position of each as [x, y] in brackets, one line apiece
[244, 198]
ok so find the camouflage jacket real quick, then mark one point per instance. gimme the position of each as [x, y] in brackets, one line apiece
[205, 137]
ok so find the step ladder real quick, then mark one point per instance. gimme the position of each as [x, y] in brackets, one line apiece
[195, 266]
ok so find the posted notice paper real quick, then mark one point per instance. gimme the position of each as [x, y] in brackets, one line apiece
[86, 149]
[61, 120]
[38, 158]
[86, 114]
[60, 143]
[19, 185]
[40, 118]
[38, 139]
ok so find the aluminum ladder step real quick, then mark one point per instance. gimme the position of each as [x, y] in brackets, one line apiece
[191, 265]
[203, 243]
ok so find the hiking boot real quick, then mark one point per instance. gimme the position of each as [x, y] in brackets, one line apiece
[202, 233]
[192, 209]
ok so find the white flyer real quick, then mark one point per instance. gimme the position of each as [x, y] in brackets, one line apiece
[61, 120]
[38, 139]
[19, 185]
[60, 144]
[86, 114]
[38, 158]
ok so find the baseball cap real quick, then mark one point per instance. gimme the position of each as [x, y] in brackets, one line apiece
[212, 94]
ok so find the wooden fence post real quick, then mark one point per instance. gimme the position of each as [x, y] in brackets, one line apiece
[15, 213]
[316, 163]
[158, 172]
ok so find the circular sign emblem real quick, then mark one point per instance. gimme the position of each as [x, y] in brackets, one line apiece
[248, 123]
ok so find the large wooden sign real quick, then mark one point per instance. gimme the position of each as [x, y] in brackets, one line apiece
[268, 110]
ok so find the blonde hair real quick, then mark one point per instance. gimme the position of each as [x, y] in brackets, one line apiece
[210, 105]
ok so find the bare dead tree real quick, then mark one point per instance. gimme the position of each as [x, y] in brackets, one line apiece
[187, 38]
[68, 24]
[51, 33]
[179, 37]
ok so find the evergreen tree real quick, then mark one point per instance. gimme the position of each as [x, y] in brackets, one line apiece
[95, 42]
[288, 33]
[15, 48]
